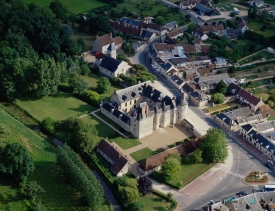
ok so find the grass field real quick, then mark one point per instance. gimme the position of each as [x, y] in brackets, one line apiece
[220, 107]
[258, 56]
[102, 116]
[125, 143]
[79, 6]
[153, 203]
[256, 26]
[264, 96]
[59, 107]
[144, 153]
[92, 79]
[58, 195]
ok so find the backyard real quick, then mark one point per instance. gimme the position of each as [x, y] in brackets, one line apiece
[125, 143]
[220, 107]
[257, 26]
[59, 106]
[76, 7]
[144, 153]
[58, 195]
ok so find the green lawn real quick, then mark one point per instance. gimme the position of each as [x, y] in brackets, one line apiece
[251, 76]
[144, 153]
[125, 143]
[79, 6]
[153, 203]
[150, 9]
[219, 107]
[59, 107]
[103, 130]
[102, 116]
[256, 26]
[92, 79]
[258, 56]
[264, 96]
[58, 195]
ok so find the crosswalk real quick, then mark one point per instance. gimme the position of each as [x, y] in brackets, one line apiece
[271, 183]
[235, 174]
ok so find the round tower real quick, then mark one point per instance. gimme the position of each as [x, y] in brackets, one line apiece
[182, 106]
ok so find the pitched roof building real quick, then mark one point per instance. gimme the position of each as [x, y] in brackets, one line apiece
[247, 98]
[120, 164]
[102, 43]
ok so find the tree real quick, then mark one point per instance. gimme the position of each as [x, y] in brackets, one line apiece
[58, 9]
[128, 194]
[32, 190]
[197, 156]
[232, 69]
[221, 87]
[134, 206]
[127, 48]
[159, 20]
[15, 160]
[170, 196]
[92, 97]
[218, 98]
[271, 104]
[78, 84]
[191, 27]
[103, 85]
[170, 169]
[215, 146]
[48, 125]
[145, 185]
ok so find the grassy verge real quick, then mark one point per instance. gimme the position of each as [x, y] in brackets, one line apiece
[58, 195]
[79, 6]
[102, 116]
[125, 143]
[219, 107]
[144, 153]
[59, 106]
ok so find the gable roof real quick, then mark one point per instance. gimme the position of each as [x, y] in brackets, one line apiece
[233, 88]
[156, 27]
[189, 87]
[158, 159]
[119, 164]
[110, 63]
[201, 7]
[249, 97]
[108, 39]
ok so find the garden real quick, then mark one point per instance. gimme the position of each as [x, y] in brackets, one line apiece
[258, 56]
[256, 177]
[140, 155]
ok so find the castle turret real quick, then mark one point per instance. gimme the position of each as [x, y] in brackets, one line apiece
[182, 106]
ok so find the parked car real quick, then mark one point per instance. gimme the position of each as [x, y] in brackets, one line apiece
[270, 162]
[242, 193]
[269, 166]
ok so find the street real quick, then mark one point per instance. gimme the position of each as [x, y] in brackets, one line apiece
[245, 157]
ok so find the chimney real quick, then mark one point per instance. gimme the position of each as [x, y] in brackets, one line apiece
[153, 88]
[111, 34]
[139, 82]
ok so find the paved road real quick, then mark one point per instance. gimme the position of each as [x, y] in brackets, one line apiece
[246, 158]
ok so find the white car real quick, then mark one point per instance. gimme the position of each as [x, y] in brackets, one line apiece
[270, 162]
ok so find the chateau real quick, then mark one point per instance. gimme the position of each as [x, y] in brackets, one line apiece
[141, 108]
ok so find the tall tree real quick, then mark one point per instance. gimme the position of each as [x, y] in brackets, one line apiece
[221, 87]
[15, 160]
[145, 185]
[103, 85]
[218, 98]
[170, 169]
[215, 146]
[58, 9]
[159, 20]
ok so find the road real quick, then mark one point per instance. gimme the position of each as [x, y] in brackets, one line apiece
[243, 159]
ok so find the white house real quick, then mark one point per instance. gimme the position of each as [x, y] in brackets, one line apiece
[246, 98]
[102, 43]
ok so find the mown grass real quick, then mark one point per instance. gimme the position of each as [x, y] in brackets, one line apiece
[102, 116]
[58, 195]
[263, 54]
[256, 27]
[264, 96]
[77, 7]
[153, 203]
[219, 107]
[144, 153]
[125, 143]
[59, 106]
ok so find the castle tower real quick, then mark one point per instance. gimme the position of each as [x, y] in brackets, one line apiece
[111, 51]
[182, 106]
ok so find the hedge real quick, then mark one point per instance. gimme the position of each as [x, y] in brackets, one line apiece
[164, 196]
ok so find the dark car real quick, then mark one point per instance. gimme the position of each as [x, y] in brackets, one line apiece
[269, 165]
[242, 193]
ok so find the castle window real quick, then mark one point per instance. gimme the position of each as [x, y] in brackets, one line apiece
[135, 106]
[125, 104]
[125, 109]
[130, 102]
[135, 100]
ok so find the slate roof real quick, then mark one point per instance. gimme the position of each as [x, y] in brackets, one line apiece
[170, 24]
[119, 160]
[224, 118]
[110, 63]
[239, 113]
[108, 39]
[176, 61]
[199, 95]
[256, 117]
[130, 21]
[217, 77]
[233, 88]
[164, 65]
[247, 127]
[189, 87]
[146, 34]
[177, 79]
[117, 113]
[201, 8]
[155, 27]
[249, 97]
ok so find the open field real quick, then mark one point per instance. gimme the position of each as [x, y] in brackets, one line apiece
[59, 107]
[150, 8]
[92, 79]
[125, 143]
[144, 153]
[79, 6]
[58, 195]
[263, 54]
[256, 26]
